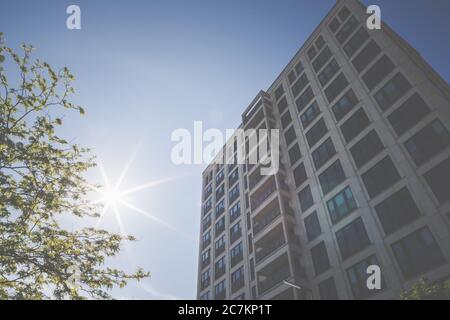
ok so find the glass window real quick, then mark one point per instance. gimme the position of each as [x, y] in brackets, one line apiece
[355, 42]
[320, 42]
[352, 238]
[344, 13]
[328, 72]
[312, 226]
[397, 211]
[341, 205]
[428, 142]
[299, 85]
[344, 105]
[282, 105]
[417, 253]
[336, 87]
[392, 91]
[300, 175]
[323, 153]
[335, 24]
[347, 29]
[306, 198]
[366, 148]
[294, 154]
[286, 119]
[366, 56]
[378, 72]
[310, 114]
[354, 125]
[437, 179]
[408, 114]
[321, 59]
[327, 290]
[316, 132]
[331, 177]
[380, 177]
[312, 52]
[304, 99]
[279, 92]
[320, 259]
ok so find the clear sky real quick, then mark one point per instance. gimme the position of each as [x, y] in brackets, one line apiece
[145, 68]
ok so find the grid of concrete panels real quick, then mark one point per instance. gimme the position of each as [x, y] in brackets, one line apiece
[343, 107]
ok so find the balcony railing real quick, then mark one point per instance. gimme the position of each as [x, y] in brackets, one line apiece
[272, 246]
[275, 278]
[265, 220]
[260, 198]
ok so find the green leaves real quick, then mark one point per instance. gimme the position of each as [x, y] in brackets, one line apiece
[42, 179]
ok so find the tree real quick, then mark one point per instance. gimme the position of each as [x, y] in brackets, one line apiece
[41, 180]
[423, 290]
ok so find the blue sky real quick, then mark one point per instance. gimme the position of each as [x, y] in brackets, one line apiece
[145, 68]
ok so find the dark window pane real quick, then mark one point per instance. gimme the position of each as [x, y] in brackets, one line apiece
[397, 211]
[320, 42]
[299, 85]
[331, 177]
[328, 72]
[356, 41]
[304, 99]
[380, 177]
[294, 153]
[336, 87]
[286, 120]
[321, 59]
[417, 253]
[320, 259]
[300, 175]
[316, 132]
[323, 153]
[393, 90]
[310, 115]
[341, 205]
[279, 92]
[290, 136]
[439, 182]
[378, 72]
[352, 238]
[312, 52]
[327, 290]
[408, 114]
[367, 148]
[312, 226]
[347, 29]
[344, 13]
[428, 142]
[344, 105]
[282, 105]
[306, 198]
[354, 125]
[334, 25]
[366, 56]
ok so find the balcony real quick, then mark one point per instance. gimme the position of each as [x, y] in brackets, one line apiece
[273, 275]
[263, 193]
[266, 217]
[269, 244]
[255, 178]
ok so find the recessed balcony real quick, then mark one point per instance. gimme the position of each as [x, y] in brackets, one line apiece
[274, 274]
[269, 244]
[264, 218]
[264, 192]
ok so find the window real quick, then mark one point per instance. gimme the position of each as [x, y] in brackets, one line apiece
[220, 208]
[312, 226]
[233, 177]
[344, 105]
[310, 114]
[320, 42]
[331, 177]
[320, 259]
[316, 132]
[341, 205]
[300, 175]
[220, 290]
[344, 13]
[321, 59]
[282, 105]
[290, 136]
[328, 72]
[392, 91]
[378, 72]
[428, 142]
[380, 177]
[437, 179]
[279, 92]
[323, 153]
[205, 279]
[366, 56]
[206, 222]
[306, 198]
[408, 114]
[357, 276]
[356, 42]
[205, 296]
[235, 232]
[312, 52]
[347, 29]
[219, 267]
[354, 125]
[206, 258]
[235, 211]
[299, 85]
[219, 246]
[397, 211]
[299, 68]
[237, 279]
[291, 76]
[304, 99]
[366, 148]
[286, 119]
[219, 226]
[236, 254]
[352, 238]
[336, 87]
[334, 25]
[417, 253]
[219, 177]
[206, 239]
[220, 191]
[294, 154]
[327, 290]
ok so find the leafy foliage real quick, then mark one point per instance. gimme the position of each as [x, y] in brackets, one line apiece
[41, 180]
[422, 290]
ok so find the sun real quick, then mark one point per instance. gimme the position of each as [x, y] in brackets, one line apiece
[111, 196]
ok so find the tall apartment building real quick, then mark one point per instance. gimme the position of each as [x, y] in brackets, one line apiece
[364, 179]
